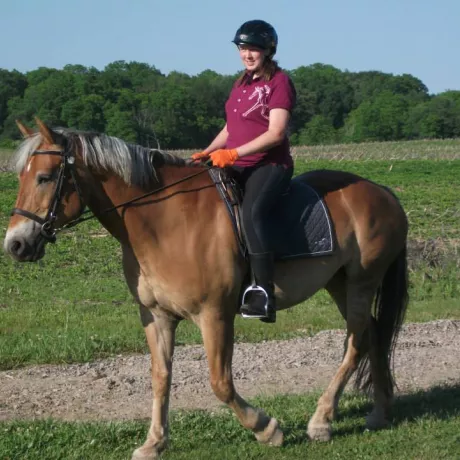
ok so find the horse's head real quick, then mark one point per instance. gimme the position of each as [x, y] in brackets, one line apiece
[48, 196]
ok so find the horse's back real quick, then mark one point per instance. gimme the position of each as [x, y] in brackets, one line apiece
[363, 191]
[325, 181]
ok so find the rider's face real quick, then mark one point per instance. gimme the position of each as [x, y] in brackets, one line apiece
[252, 57]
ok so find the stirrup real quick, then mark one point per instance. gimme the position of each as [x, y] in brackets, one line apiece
[252, 290]
[263, 312]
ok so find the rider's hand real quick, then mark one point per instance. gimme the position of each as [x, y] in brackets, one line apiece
[224, 157]
[200, 156]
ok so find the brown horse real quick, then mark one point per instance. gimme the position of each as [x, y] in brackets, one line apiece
[181, 261]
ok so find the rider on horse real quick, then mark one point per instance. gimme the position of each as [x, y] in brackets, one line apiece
[255, 147]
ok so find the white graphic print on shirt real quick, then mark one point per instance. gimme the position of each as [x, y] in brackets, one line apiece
[262, 93]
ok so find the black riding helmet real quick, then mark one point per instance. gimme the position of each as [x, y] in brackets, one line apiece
[257, 33]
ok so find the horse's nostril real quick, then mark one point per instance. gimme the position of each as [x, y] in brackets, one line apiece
[15, 247]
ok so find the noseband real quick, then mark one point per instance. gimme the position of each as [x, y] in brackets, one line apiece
[66, 169]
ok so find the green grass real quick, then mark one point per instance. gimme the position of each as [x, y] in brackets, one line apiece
[426, 425]
[5, 155]
[74, 306]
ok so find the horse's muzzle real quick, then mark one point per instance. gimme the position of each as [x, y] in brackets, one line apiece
[22, 251]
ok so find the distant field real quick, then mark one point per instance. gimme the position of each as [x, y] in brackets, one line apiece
[445, 149]
[438, 149]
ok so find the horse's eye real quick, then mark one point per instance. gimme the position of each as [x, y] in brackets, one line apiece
[44, 179]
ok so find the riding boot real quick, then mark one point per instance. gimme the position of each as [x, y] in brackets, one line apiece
[260, 303]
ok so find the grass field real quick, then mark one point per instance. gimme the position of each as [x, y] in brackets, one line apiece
[73, 306]
[426, 426]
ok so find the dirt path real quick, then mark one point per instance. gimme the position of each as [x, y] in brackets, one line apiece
[427, 354]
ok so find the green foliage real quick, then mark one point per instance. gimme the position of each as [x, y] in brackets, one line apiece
[380, 118]
[318, 131]
[12, 84]
[136, 102]
[437, 118]
[368, 85]
[325, 89]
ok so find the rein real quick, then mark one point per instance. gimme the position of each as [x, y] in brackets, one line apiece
[68, 164]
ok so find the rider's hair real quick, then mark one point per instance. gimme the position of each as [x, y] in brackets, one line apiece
[269, 68]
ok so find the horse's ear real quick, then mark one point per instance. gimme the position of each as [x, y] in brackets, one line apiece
[44, 131]
[25, 131]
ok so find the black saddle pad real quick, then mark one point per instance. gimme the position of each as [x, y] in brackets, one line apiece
[300, 225]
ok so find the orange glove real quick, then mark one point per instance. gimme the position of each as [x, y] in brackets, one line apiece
[199, 156]
[224, 157]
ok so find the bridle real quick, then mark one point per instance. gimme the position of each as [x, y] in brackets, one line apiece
[67, 169]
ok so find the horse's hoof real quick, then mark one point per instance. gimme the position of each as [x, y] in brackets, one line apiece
[319, 432]
[376, 422]
[271, 435]
[143, 454]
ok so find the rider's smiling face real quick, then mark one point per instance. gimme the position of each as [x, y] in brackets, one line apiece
[252, 58]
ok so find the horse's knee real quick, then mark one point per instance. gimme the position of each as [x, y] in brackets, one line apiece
[223, 389]
[161, 381]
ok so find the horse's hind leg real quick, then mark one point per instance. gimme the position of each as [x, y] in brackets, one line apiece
[217, 329]
[160, 333]
[381, 380]
[358, 308]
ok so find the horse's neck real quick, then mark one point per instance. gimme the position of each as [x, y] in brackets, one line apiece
[146, 215]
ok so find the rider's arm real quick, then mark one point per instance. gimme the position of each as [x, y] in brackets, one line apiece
[277, 129]
[219, 141]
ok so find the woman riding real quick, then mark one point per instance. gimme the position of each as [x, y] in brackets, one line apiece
[255, 147]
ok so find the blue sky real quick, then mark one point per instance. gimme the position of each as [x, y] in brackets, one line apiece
[420, 37]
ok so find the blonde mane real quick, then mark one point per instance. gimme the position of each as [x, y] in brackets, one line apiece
[135, 164]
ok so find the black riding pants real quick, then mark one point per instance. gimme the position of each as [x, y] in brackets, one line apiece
[262, 188]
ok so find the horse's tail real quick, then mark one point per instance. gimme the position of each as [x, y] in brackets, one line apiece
[389, 311]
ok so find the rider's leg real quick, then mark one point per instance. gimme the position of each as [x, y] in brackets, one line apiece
[263, 188]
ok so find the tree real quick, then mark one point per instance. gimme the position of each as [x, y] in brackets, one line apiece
[318, 131]
[325, 89]
[368, 85]
[438, 118]
[135, 101]
[379, 119]
[85, 113]
[44, 99]
[12, 84]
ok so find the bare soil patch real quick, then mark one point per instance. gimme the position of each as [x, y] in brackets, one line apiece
[427, 355]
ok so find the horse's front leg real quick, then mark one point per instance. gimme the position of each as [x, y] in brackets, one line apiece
[160, 332]
[217, 329]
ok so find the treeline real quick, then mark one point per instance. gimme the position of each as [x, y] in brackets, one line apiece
[138, 103]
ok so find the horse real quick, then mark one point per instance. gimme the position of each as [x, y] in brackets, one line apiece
[181, 260]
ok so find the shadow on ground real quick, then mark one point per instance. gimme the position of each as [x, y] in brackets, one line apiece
[438, 403]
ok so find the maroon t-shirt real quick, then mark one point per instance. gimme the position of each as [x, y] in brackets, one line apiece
[247, 110]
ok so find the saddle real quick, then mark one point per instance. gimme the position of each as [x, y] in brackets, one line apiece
[300, 225]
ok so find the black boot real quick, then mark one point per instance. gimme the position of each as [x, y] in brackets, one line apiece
[260, 303]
